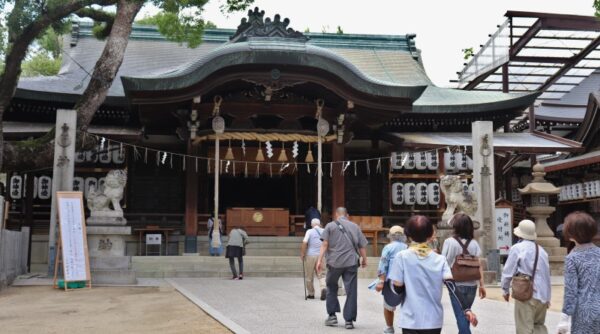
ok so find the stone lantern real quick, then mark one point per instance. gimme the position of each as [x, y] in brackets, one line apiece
[536, 195]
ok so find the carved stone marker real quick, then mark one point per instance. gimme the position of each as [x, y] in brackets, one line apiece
[62, 172]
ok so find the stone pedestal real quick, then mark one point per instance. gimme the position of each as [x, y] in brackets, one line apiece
[106, 218]
[108, 263]
[546, 239]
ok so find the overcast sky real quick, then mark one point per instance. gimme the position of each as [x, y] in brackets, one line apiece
[443, 27]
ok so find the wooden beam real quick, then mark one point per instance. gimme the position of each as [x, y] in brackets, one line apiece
[480, 78]
[533, 59]
[527, 36]
[581, 55]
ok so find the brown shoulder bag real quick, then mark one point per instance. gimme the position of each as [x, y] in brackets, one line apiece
[522, 285]
[466, 266]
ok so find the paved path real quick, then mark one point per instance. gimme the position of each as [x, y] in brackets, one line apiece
[277, 305]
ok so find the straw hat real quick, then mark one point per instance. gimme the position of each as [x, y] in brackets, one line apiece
[396, 230]
[526, 230]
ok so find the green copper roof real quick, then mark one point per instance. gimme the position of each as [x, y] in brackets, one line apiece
[328, 40]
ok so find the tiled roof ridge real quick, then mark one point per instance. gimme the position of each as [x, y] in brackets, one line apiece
[83, 29]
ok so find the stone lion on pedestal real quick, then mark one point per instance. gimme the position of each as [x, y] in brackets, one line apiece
[458, 198]
[111, 193]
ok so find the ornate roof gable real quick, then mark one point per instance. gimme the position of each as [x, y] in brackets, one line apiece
[256, 26]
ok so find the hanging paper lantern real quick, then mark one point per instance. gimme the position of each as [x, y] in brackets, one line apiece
[229, 154]
[282, 154]
[16, 187]
[118, 154]
[44, 187]
[259, 154]
[309, 155]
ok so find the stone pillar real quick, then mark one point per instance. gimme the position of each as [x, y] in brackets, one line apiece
[62, 172]
[483, 179]
[337, 179]
[191, 202]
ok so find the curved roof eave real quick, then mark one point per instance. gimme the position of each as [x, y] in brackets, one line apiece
[448, 100]
[273, 53]
[57, 97]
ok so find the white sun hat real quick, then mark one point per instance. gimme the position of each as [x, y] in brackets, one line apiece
[526, 230]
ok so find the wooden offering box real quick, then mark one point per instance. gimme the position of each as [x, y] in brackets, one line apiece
[260, 221]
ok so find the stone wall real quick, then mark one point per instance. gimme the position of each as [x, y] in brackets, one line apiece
[14, 247]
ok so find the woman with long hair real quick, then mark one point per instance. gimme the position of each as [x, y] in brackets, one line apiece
[463, 242]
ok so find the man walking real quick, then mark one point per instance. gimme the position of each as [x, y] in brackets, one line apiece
[309, 254]
[527, 258]
[344, 244]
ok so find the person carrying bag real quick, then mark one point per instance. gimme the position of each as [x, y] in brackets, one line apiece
[527, 271]
[466, 267]
[522, 284]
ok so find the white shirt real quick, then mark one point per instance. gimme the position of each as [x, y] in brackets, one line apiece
[423, 279]
[313, 239]
[452, 248]
[521, 258]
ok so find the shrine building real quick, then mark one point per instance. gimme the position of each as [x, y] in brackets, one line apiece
[386, 132]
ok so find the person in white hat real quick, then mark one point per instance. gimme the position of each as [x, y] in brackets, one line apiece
[397, 244]
[311, 246]
[529, 315]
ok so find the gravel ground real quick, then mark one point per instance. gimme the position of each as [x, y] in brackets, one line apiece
[42, 309]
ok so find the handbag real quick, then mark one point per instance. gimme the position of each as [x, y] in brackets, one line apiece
[522, 285]
[466, 267]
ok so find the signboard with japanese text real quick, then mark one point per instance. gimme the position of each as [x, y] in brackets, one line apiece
[504, 227]
[72, 242]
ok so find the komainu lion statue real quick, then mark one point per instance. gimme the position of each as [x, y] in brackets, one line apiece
[458, 198]
[110, 193]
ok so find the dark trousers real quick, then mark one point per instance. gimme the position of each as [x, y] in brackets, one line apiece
[421, 331]
[232, 265]
[349, 276]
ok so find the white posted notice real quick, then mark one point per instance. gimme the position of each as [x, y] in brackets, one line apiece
[72, 238]
[503, 229]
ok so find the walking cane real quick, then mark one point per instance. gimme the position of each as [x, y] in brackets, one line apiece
[304, 279]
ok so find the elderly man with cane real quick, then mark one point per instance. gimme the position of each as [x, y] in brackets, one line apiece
[309, 254]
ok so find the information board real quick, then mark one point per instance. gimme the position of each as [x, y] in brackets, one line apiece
[504, 228]
[72, 248]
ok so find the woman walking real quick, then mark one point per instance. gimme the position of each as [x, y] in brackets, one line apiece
[422, 272]
[462, 242]
[582, 277]
[238, 239]
[397, 244]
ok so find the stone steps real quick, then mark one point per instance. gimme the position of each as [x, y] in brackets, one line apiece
[206, 266]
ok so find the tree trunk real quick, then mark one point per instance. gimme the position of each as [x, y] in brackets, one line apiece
[108, 64]
[18, 50]
[39, 153]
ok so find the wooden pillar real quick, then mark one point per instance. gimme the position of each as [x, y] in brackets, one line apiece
[337, 179]
[29, 190]
[505, 82]
[191, 202]
[532, 118]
